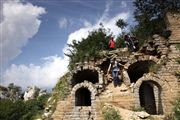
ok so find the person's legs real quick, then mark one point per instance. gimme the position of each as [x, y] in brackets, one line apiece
[115, 78]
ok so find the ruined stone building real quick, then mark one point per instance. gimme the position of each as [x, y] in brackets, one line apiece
[150, 80]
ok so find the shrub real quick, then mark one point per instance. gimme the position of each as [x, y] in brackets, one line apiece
[137, 109]
[111, 114]
[62, 88]
[10, 110]
[20, 110]
[176, 115]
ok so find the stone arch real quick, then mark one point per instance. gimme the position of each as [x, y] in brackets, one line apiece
[90, 75]
[136, 67]
[90, 92]
[146, 88]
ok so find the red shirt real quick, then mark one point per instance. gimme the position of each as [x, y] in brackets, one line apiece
[111, 44]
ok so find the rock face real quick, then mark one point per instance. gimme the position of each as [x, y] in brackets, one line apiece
[14, 92]
[147, 80]
[31, 93]
[42, 92]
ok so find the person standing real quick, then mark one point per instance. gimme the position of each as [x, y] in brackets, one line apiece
[111, 44]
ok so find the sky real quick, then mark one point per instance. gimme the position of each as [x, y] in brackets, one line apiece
[34, 35]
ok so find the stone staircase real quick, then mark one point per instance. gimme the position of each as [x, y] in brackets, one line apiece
[63, 108]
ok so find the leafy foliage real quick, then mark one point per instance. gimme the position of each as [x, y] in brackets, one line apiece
[20, 110]
[14, 92]
[176, 115]
[111, 114]
[11, 110]
[34, 107]
[150, 15]
[88, 48]
[120, 41]
[121, 23]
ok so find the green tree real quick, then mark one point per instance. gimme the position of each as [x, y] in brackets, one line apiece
[150, 15]
[10, 110]
[14, 92]
[88, 48]
[121, 23]
[20, 110]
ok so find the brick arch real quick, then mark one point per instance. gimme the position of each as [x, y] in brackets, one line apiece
[133, 61]
[84, 111]
[91, 74]
[140, 58]
[87, 85]
[159, 84]
[154, 78]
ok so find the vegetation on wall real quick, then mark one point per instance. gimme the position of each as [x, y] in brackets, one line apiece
[88, 48]
[62, 88]
[176, 114]
[111, 114]
[150, 16]
[60, 92]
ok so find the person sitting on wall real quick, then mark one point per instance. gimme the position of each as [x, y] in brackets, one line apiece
[129, 43]
[135, 42]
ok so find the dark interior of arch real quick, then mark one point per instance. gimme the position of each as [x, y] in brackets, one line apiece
[104, 66]
[137, 69]
[89, 75]
[147, 98]
[83, 97]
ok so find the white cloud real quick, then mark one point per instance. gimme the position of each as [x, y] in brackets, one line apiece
[123, 4]
[86, 23]
[104, 16]
[20, 22]
[44, 76]
[62, 23]
[108, 24]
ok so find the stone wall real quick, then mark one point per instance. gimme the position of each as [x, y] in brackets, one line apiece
[162, 86]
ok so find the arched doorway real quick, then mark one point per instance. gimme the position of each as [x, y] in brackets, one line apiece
[147, 98]
[88, 75]
[137, 69]
[83, 97]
